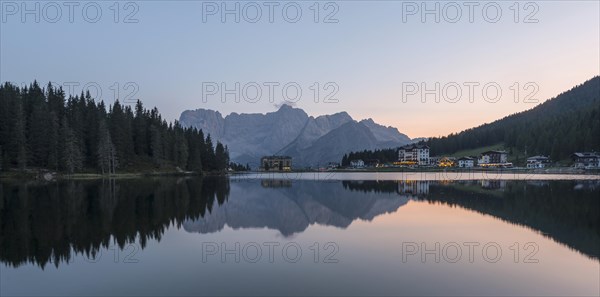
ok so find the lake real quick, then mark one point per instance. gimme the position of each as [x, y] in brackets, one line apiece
[303, 234]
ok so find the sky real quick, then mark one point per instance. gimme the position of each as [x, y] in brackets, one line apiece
[391, 61]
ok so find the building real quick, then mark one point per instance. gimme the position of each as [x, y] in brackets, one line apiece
[586, 160]
[466, 162]
[537, 162]
[357, 163]
[276, 163]
[333, 165]
[494, 159]
[373, 163]
[414, 154]
[446, 162]
[434, 160]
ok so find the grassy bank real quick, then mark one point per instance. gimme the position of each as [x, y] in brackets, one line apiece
[477, 151]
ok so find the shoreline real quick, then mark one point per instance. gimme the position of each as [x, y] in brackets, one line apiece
[415, 176]
[495, 173]
[43, 175]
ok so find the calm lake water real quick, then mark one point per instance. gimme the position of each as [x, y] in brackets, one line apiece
[343, 234]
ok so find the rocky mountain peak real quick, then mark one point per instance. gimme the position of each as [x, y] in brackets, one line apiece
[289, 130]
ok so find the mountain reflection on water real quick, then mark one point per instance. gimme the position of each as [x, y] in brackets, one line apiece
[45, 223]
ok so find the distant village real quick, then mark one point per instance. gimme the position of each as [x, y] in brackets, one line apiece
[417, 156]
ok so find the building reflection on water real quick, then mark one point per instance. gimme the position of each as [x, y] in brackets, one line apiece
[493, 184]
[413, 187]
[276, 183]
[420, 188]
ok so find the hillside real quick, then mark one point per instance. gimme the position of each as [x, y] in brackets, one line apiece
[476, 151]
[515, 156]
[558, 127]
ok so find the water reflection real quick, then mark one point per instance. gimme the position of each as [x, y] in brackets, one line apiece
[566, 211]
[291, 206]
[48, 222]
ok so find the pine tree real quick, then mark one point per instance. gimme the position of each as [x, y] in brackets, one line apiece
[107, 156]
[5, 112]
[91, 136]
[120, 130]
[56, 100]
[221, 158]
[19, 139]
[53, 142]
[38, 135]
[195, 152]
[209, 159]
[345, 160]
[71, 153]
[156, 145]
[139, 133]
[180, 149]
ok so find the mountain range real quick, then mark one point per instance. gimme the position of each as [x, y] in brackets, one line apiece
[310, 141]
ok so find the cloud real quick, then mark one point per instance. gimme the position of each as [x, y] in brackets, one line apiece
[282, 103]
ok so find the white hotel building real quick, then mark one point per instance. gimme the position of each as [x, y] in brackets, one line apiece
[415, 154]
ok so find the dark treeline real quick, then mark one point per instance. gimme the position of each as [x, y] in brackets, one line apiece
[383, 156]
[41, 128]
[239, 167]
[558, 127]
[85, 216]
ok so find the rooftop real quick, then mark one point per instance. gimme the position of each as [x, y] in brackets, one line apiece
[538, 158]
[587, 155]
[276, 157]
[414, 146]
[494, 152]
